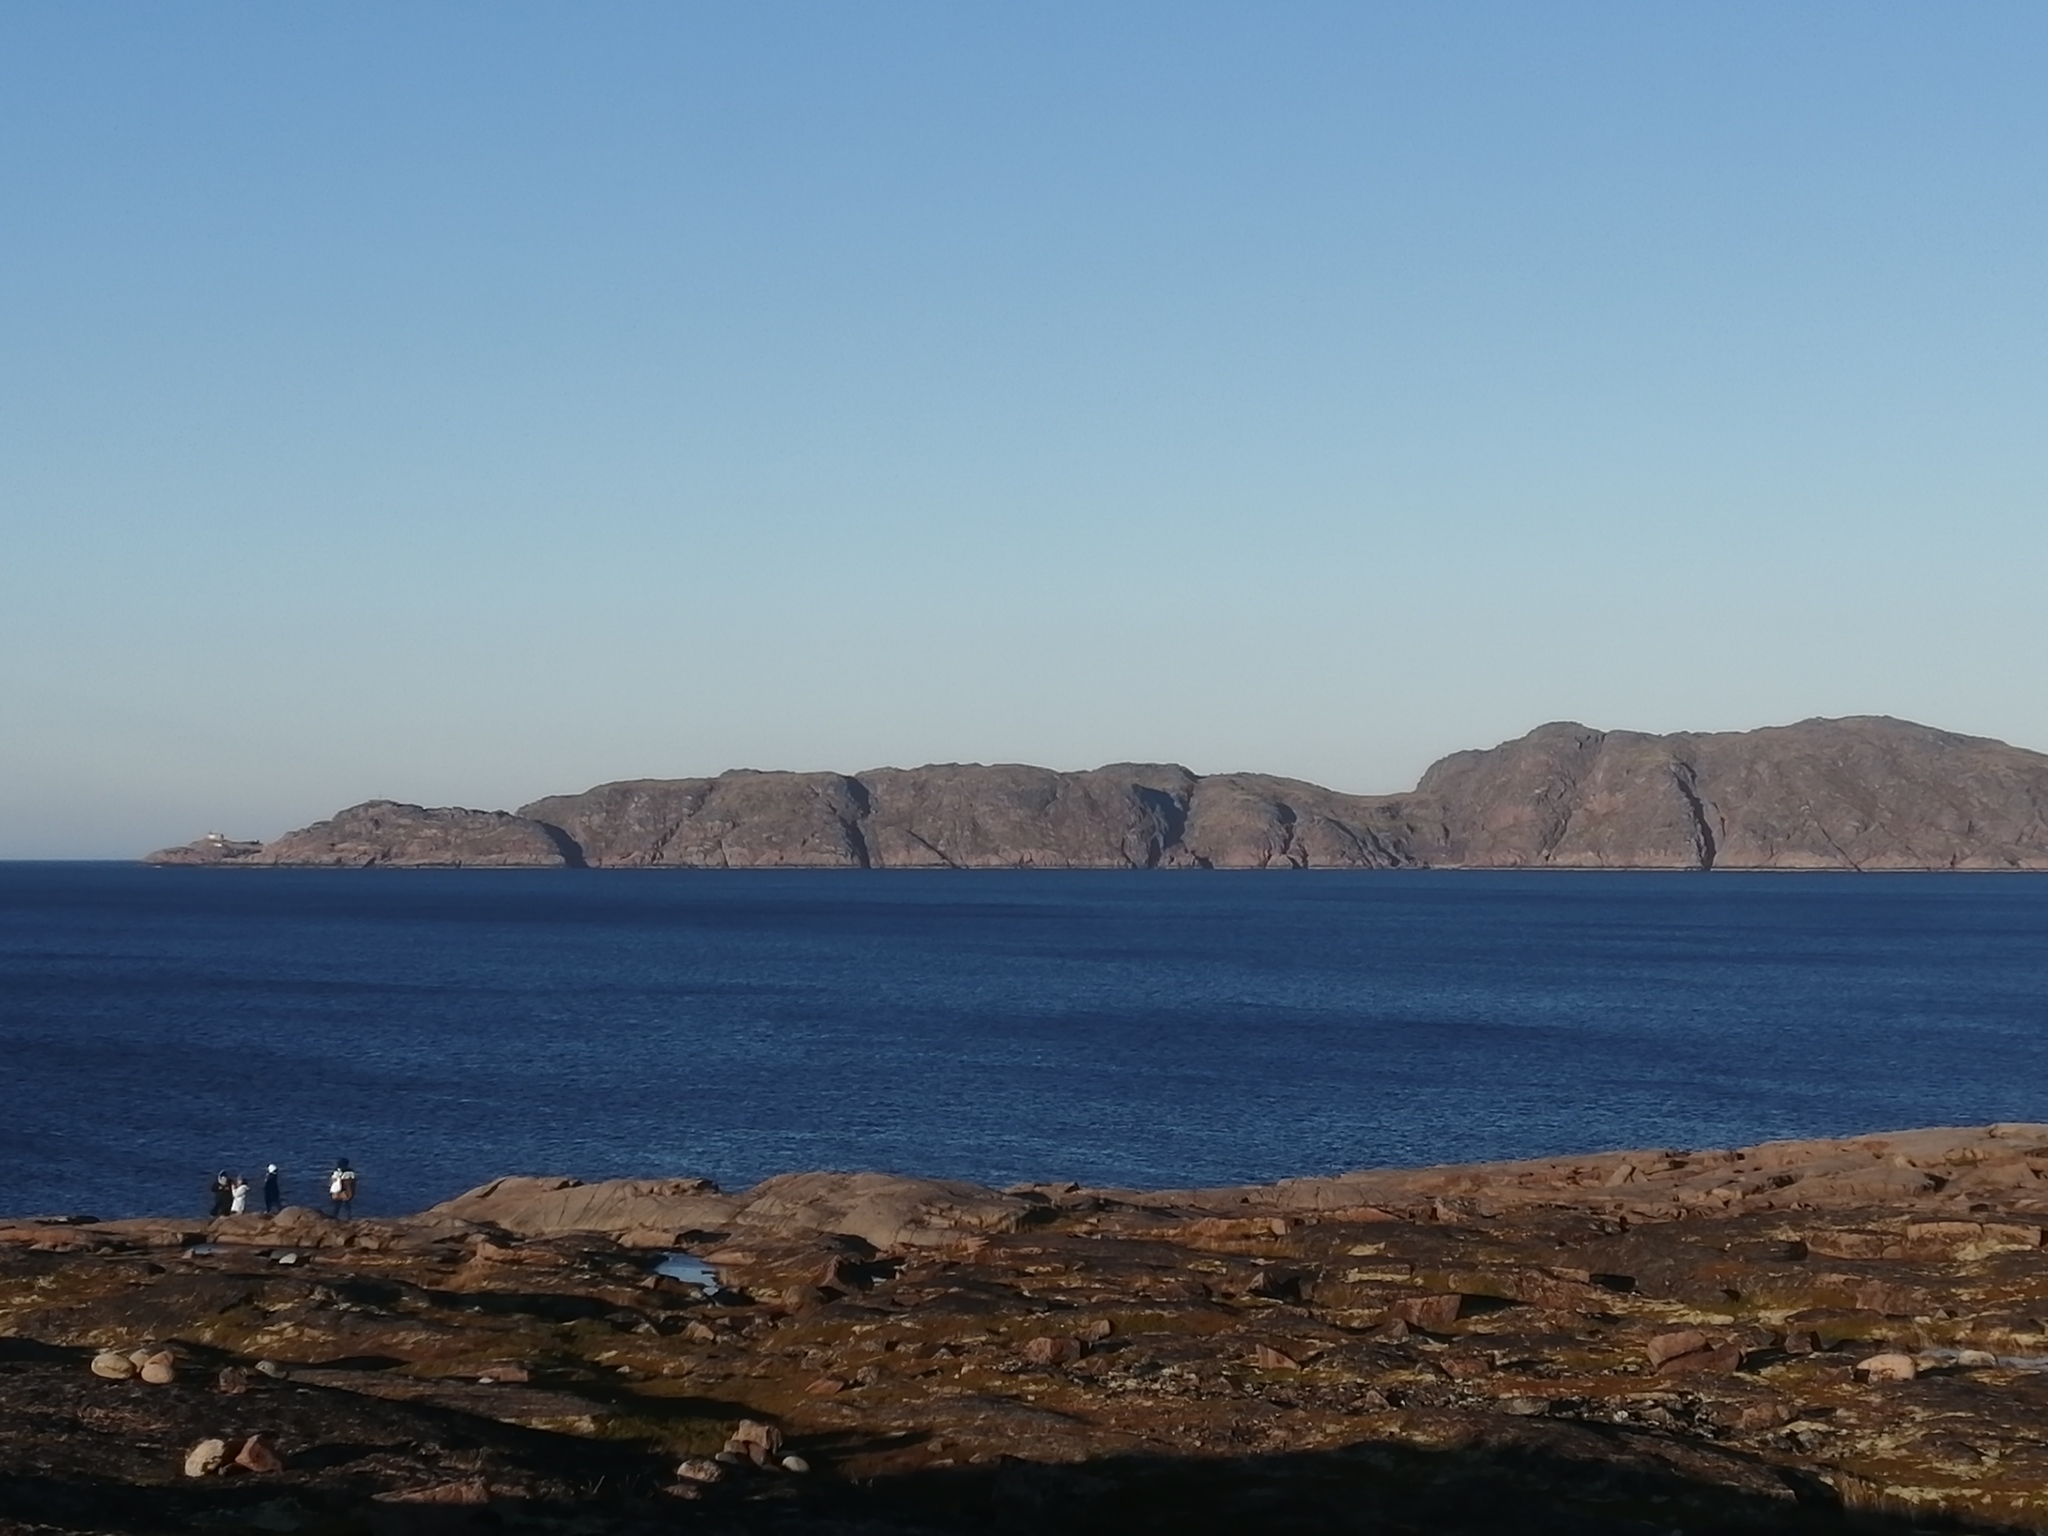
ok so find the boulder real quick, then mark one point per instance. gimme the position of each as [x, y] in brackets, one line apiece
[1890, 1366]
[258, 1454]
[651, 1209]
[1047, 1350]
[206, 1458]
[1720, 1360]
[759, 1443]
[884, 1210]
[112, 1365]
[1669, 1346]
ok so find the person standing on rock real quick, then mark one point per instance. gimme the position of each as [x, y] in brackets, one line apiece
[223, 1193]
[238, 1196]
[273, 1196]
[341, 1188]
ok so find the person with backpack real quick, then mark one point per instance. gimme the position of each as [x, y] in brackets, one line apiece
[341, 1188]
[273, 1196]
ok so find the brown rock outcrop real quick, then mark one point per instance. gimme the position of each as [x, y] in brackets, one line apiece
[210, 849]
[1867, 792]
[1740, 1340]
[1862, 793]
[386, 833]
[538, 1207]
[885, 1211]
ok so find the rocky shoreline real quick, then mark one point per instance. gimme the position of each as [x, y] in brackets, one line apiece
[1862, 793]
[1798, 1336]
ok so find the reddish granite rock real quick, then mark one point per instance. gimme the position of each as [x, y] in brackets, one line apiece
[1682, 1343]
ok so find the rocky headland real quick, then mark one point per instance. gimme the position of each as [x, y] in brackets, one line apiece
[1805, 1336]
[1863, 793]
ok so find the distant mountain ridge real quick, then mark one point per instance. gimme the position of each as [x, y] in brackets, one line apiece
[1865, 792]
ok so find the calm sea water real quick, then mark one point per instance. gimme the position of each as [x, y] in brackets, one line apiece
[440, 1028]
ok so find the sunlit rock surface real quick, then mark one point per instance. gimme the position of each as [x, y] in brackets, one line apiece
[1862, 793]
[1799, 1336]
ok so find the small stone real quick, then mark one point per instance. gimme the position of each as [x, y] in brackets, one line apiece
[206, 1458]
[756, 1441]
[825, 1386]
[259, 1455]
[160, 1369]
[272, 1369]
[1098, 1330]
[233, 1381]
[1888, 1367]
[114, 1367]
[1669, 1346]
[677, 1490]
[1464, 1367]
[1799, 1342]
[700, 1469]
[287, 1258]
[1054, 1351]
[1975, 1359]
[140, 1357]
[1267, 1358]
[1524, 1407]
[698, 1333]
[795, 1464]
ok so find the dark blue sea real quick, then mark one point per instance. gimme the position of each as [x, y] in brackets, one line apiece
[1150, 1029]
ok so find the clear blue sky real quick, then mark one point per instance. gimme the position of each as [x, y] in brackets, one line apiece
[465, 402]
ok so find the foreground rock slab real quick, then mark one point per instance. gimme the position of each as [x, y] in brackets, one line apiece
[1816, 1336]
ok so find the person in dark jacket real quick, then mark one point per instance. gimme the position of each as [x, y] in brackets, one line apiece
[273, 1196]
[223, 1193]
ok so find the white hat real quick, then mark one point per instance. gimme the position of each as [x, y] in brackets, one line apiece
[271, 1169]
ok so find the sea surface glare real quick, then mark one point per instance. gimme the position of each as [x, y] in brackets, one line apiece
[439, 1028]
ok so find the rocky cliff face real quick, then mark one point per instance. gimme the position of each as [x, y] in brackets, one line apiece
[412, 836]
[1862, 793]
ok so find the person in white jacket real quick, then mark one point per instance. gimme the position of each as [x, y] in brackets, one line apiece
[341, 1189]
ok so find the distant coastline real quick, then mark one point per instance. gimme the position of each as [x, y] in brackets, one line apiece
[1865, 793]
